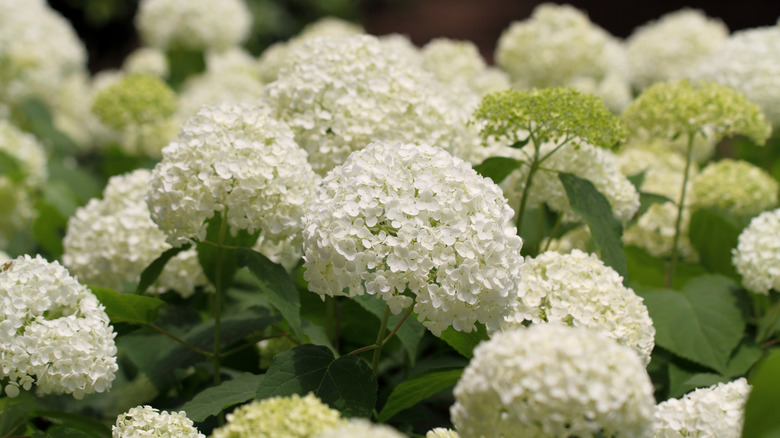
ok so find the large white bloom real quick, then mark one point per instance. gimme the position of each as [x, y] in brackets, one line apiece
[460, 63]
[361, 428]
[756, 254]
[53, 331]
[146, 421]
[553, 381]
[717, 411]
[411, 223]
[734, 186]
[239, 162]
[579, 290]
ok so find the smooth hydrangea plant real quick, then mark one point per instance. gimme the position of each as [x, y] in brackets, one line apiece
[755, 256]
[146, 421]
[459, 63]
[734, 186]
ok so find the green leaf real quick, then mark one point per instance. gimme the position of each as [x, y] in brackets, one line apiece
[416, 389]
[276, 284]
[637, 179]
[464, 343]
[15, 411]
[153, 271]
[346, 384]
[646, 270]
[648, 199]
[702, 323]
[133, 309]
[497, 168]
[61, 431]
[743, 358]
[586, 201]
[683, 379]
[714, 234]
[11, 168]
[411, 331]
[75, 425]
[761, 419]
[216, 399]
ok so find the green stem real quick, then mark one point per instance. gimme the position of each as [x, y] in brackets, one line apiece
[678, 222]
[527, 189]
[218, 299]
[179, 340]
[380, 340]
[557, 225]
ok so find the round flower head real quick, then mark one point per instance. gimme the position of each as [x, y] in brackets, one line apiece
[673, 45]
[109, 242]
[553, 381]
[340, 93]
[459, 62]
[194, 25]
[749, 62]
[755, 256]
[579, 290]
[440, 432]
[239, 162]
[717, 411]
[411, 223]
[147, 61]
[734, 186]
[361, 428]
[290, 417]
[53, 331]
[146, 421]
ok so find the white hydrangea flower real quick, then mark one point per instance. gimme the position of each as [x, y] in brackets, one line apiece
[716, 411]
[340, 93]
[749, 62]
[239, 162]
[579, 290]
[290, 417]
[53, 331]
[598, 165]
[756, 255]
[195, 25]
[411, 223]
[735, 186]
[147, 60]
[553, 381]
[109, 242]
[440, 432]
[361, 428]
[460, 63]
[146, 421]
[668, 48]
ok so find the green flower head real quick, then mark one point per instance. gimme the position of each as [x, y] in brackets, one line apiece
[671, 109]
[136, 100]
[549, 114]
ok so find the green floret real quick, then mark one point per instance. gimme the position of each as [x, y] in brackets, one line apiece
[549, 114]
[672, 109]
[136, 100]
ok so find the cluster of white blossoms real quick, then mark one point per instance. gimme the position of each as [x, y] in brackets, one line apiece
[579, 290]
[148, 61]
[53, 331]
[146, 421]
[360, 428]
[236, 161]
[109, 242]
[200, 25]
[410, 224]
[338, 94]
[671, 46]
[440, 432]
[291, 417]
[749, 62]
[553, 381]
[460, 63]
[597, 165]
[716, 411]
[756, 254]
[734, 186]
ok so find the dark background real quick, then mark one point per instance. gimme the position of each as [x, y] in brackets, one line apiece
[106, 26]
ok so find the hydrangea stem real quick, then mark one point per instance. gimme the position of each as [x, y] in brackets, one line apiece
[678, 222]
[218, 299]
[380, 340]
[535, 162]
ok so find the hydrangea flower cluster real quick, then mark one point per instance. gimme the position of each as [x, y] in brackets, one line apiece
[413, 224]
[459, 63]
[672, 46]
[718, 410]
[109, 242]
[552, 381]
[579, 290]
[146, 421]
[340, 93]
[147, 61]
[201, 25]
[361, 428]
[440, 432]
[734, 186]
[53, 331]
[292, 417]
[755, 256]
[236, 161]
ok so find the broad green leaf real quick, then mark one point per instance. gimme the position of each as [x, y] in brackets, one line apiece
[216, 399]
[586, 201]
[316, 335]
[132, 309]
[416, 389]
[153, 271]
[684, 379]
[649, 271]
[276, 284]
[637, 179]
[744, 357]
[411, 331]
[346, 384]
[761, 419]
[15, 411]
[464, 343]
[714, 234]
[62, 431]
[648, 199]
[702, 323]
[67, 425]
[497, 168]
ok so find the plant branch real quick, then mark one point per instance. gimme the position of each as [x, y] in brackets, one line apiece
[380, 339]
[179, 340]
[678, 222]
